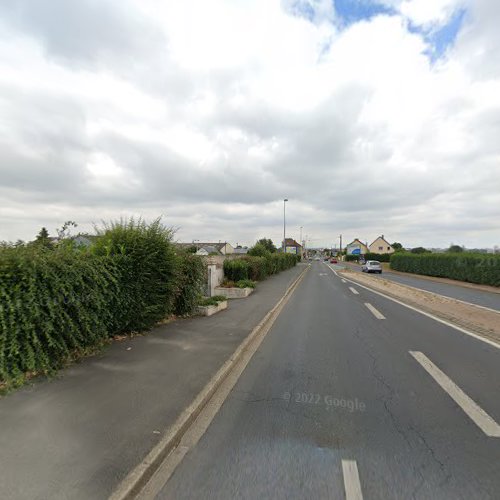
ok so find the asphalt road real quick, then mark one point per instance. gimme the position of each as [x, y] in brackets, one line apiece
[333, 399]
[479, 297]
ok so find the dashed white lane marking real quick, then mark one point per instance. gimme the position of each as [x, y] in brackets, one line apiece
[429, 315]
[470, 407]
[352, 485]
[374, 311]
[353, 290]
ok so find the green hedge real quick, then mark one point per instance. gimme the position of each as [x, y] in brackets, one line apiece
[59, 303]
[53, 305]
[258, 268]
[148, 266]
[381, 257]
[475, 268]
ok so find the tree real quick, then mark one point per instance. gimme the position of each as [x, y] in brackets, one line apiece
[397, 246]
[64, 232]
[258, 250]
[455, 249]
[419, 250]
[42, 238]
[268, 244]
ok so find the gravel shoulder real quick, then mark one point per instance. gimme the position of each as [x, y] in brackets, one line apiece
[482, 321]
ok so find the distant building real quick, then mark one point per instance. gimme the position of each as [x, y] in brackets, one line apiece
[381, 246]
[240, 250]
[356, 247]
[223, 248]
[292, 246]
[208, 250]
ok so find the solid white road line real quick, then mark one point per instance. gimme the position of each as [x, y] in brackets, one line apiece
[429, 315]
[353, 290]
[352, 485]
[472, 409]
[374, 311]
[344, 281]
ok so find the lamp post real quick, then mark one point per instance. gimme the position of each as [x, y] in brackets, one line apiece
[301, 244]
[284, 224]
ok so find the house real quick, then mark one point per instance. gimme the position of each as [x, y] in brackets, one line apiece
[208, 250]
[291, 246]
[381, 246]
[356, 247]
[222, 248]
[240, 250]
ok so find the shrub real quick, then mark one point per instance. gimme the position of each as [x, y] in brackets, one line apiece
[474, 268]
[236, 269]
[259, 250]
[212, 301]
[257, 267]
[190, 281]
[245, 284]
[147, 261]
[54, 305]
[381, 257]
[352, 258]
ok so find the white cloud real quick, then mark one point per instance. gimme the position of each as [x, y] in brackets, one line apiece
[226, 107]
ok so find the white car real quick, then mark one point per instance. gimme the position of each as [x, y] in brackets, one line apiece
[372, 266]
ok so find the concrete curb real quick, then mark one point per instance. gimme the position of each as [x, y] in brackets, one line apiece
[138, 477]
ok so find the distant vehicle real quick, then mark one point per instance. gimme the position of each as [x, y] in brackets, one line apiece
[333, 261]
[372, 266]
[317, 258]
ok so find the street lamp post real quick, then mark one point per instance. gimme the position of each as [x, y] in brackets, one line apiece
[284, 224]
[301, 244]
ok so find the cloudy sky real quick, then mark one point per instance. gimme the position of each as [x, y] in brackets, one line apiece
[370, 116]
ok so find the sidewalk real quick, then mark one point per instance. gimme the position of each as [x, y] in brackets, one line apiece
[78, 436]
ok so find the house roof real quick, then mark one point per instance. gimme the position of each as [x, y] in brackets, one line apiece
[290, 242]
[209, 249]
[382, 238]
[356, 240]
[199, 244]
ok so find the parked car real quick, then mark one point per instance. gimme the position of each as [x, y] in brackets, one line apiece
[372, 266]
[333, 261]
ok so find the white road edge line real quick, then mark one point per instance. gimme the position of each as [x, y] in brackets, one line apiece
[470, 407]
[343, 280]
[353, 290]
[446, 296]
[352, 485]
[429, 315]
[374, 311]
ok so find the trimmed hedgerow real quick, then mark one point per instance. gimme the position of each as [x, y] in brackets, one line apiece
[258, 268]
[483, 269]
[53, 305]
[191, 278]
[147, 262]
[59, 303]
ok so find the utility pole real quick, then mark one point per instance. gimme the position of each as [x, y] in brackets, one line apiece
[341, 244]
[301, 244]
[284, 224]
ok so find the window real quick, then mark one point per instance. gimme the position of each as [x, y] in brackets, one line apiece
[380, 248]
[388, 248]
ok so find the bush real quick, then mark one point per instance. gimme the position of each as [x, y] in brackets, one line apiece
[147, 262]
[258, 268]
[381, 257]
[212, 301]
[59, 303]
[245, 284]
[236, 269]
[190, 280]
[55, 305]
[352, 258]
[474, 268]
